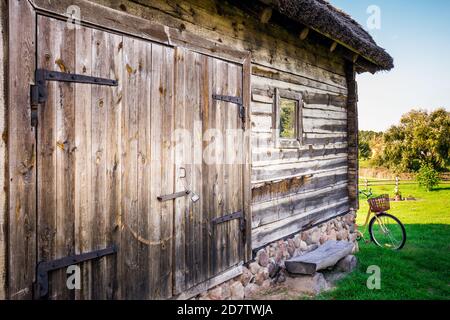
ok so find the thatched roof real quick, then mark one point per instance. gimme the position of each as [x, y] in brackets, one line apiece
[337, 25]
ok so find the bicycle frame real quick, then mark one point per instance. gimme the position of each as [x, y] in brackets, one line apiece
[366, 223]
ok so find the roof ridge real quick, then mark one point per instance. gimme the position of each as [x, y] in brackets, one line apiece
[322, 16]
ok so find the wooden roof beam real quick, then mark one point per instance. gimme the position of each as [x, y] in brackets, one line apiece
[333, 46]
[304, 33]
[265, 15]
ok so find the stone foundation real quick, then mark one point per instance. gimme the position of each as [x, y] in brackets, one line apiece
[267, 270]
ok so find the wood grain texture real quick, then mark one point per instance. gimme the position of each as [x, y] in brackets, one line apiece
[107, 152]
[352, 134]
[132, 53]
[137, 26]
[182, 148]
[113, 166]
[64, 104]
[228, 274]
[297, 203]
[100, 105]
[266, 191]
[167, 174]
[247, 157]
[46, 157]
[155, 170]
[289, 226]
[83, 178]
[3, 148]
[200, 26]
[327, 255]
[21, 152]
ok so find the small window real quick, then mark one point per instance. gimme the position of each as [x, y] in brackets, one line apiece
[288, 119]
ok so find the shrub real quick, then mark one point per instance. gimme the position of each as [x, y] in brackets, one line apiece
[427, 177]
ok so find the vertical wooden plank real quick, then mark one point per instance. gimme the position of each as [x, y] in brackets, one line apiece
[352, 134]
[192, 116]
[21, 151]
[3, 146]
[129, 248]
[144, 55]
[238, 184]
[114, 164]
[113, 70]
[229, 114]
[198, 215]
[247, 163]
[232, 169]
[205, 99]
[155, 171]
[219, 185]
[182, 139]
[167, 169]
[46, 156]
[213, 189]
[101, 97]
[57, 160]
[83, 190]
[64, 105]
[208, 168]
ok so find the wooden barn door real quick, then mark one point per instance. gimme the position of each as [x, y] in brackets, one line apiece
[209, 233]
[111, 170]
[104, 156]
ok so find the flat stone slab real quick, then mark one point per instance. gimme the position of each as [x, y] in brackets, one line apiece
[323, 257]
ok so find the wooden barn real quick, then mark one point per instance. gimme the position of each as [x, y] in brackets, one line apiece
[109, 109]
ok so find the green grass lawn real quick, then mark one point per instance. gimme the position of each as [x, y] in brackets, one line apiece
[421, 270]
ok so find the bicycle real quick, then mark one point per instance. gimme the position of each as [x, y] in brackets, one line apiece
[385, 230]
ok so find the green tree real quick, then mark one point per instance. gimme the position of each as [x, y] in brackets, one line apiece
[421, 138]
[367, 143]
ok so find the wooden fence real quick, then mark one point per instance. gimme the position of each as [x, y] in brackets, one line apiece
[368, 182]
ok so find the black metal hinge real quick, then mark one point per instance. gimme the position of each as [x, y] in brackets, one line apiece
[39, 90]
[235, 100]
[44, 267]
[235, 215]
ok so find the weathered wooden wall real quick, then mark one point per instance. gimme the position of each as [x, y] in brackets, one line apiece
[280, 60]
[291, 188]
[352, 131]
[21, 151]
[3, 113]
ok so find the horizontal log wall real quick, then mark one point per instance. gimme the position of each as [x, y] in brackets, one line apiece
[295, 188]
[313, 178]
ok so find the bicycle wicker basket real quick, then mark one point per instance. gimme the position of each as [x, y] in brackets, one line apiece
[379, 204]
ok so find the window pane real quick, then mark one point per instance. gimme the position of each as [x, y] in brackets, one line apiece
[287, 118]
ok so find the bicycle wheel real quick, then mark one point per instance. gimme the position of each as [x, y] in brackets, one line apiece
[387, 231]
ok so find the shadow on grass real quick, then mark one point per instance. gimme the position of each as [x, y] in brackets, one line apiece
[440, 189]
[421, 270]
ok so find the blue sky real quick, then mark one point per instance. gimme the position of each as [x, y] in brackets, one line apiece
[417, 34]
